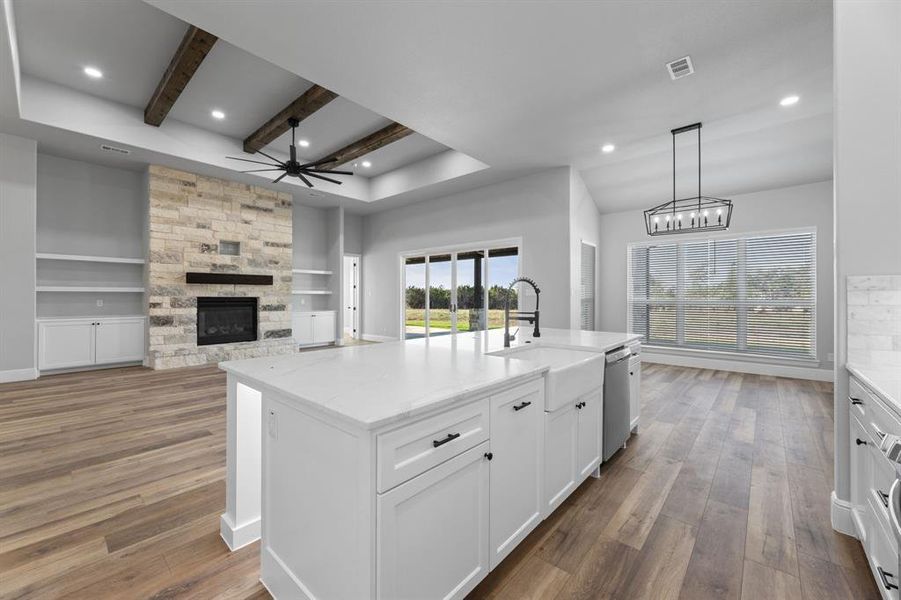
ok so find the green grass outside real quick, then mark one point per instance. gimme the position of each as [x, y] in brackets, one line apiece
[440, 318]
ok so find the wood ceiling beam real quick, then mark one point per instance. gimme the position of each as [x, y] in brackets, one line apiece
[194, 47]
[309, 102]
[373, 141]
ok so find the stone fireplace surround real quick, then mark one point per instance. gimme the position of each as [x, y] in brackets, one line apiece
[189, 215]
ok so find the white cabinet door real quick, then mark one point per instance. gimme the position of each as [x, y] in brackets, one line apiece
[323, 327]
[65, 344]
[860, 478]
[302, 328]
[634, 392]
[433, 531]
[516, 449]
[559, 456]
[119, 340]
[589, 413]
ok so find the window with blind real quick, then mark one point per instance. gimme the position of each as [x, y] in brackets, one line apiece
[586, 297]
[754, 294]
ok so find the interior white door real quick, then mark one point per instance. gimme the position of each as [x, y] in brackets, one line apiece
[589, 435]
[559, 456]
[433, 531]
[302, 327]
[65, 344]
[516, 465]
[119, 340]
[351, 277]
[323, 327]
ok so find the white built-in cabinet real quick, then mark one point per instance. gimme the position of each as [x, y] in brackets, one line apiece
[589, 414]
[72, 343]
[872, 476]
[634, 391]
[314, 327]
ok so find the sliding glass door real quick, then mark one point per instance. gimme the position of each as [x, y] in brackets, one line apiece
[450, 292]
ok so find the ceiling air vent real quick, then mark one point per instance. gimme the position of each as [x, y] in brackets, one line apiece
[108, 148]
[680, 68]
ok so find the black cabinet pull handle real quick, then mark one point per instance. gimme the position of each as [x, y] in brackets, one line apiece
[855, 400]
[489, 455]
[580, 405]
[860, 442]
[450, 437]
[521, 406]
[884, 497]
[884, 575]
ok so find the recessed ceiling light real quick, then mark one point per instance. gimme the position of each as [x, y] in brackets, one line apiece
[303, 144]
[608, 148]
[789, 100]
[217, 114]
[366, 164]
[93, 72]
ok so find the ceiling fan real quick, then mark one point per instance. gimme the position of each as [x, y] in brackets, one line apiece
[293, 168]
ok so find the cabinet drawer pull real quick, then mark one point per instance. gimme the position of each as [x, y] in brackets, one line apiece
[450, 437]
[521, 406]
[884, 497]
[884, 575]
[879, 433]
[580, 405]
[855, 400]
[860, 442]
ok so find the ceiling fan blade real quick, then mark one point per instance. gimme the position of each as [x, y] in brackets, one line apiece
[270, 157]
[253, 161]
[261, 170]
[305, 180]
[280, 177]
[329, 171]
[312, 174]
[323, 161]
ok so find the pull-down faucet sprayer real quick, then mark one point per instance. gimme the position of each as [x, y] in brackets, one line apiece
[519, 315]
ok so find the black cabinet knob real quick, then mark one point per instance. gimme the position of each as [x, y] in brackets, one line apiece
[489, 455]
[860, 442]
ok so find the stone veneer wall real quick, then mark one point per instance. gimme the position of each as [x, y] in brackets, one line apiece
[189, 216]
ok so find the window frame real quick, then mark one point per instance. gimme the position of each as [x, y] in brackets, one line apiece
[741, 303]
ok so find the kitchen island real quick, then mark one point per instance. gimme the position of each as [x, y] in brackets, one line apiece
[408, 469]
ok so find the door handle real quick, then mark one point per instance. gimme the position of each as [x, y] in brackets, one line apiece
[450, 437]
[521, 406]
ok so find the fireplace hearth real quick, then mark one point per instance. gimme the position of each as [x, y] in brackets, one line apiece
[222, 320]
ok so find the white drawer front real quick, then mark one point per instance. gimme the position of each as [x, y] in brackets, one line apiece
[880, 421]
[882, 553]
[406, 452]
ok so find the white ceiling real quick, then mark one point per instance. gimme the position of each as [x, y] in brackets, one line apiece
[133, 42]
[529, 85]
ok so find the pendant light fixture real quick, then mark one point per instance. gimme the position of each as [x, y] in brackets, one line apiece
[692, 214]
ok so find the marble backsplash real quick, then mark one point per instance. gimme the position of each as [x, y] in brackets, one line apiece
[874, 320]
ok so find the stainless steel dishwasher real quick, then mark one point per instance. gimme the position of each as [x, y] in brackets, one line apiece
[616, 400]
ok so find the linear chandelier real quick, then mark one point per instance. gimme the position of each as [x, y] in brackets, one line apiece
[692, 214]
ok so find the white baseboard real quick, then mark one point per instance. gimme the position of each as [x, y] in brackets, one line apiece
[371, 337]
[737, 366]
[18, 375]
[238, 537]
[278, 579]
[841, 516]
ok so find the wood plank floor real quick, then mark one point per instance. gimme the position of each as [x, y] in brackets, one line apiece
[112, 483]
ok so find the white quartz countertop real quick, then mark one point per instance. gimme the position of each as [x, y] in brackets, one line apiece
[885, 382]
[371, 386]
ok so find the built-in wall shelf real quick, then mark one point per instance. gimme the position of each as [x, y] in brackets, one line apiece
[90, 289]
[310, 292]
[83, 258]
[311, 271]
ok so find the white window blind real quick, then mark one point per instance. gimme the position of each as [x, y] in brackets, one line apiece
[754, 294]
[586, 298]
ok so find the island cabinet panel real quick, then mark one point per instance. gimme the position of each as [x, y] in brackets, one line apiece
[413, 449]
[516, 466]
[860, 478]
[590, 412]
[560, 427]
[432, 532]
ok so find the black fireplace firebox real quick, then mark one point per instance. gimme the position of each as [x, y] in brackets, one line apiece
[225, 320]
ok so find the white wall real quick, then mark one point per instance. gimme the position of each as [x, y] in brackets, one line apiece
[867, 172]
[353, 233]
[18, 182]
[310, 237]
[786, 208]
[585, 226]
[534, 208]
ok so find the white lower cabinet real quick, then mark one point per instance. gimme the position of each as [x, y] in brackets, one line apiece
[560, 427]
[516, 463]
[72, 343]
[860, 469]
[317, 327]
[433, 531]
[634, 391]
[589, 427]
